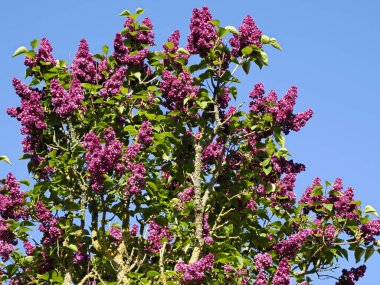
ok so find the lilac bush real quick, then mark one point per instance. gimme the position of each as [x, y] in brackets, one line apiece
[147, 171]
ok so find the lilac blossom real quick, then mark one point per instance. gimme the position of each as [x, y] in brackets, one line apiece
[101, 159]
[176, 89]
[202, 33]
[289, 247]
[261, 279]
[113, 85]
[156, 234]
[282, 275]
[65, 103]
[370, 229]
[144, 136]
[349, 277]
[262, 261]
[143, 37]
[249, 34]
[84, 66]
[195, 272]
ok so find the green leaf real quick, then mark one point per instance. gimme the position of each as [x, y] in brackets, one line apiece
[72, 247]
[358, 254]
[371, 210]
[264, 57]
[275, 44]
[19, 51]
[265, 39]
[34, 43]
[169, 45]
[152, 273]
[246, 66]
[105, 49]
[125, 13]
[247, 50]
[139, 11]
[215, 22]
[25, 182]
[6, 159]
[232, 30]
[184, 51]
[368, 253]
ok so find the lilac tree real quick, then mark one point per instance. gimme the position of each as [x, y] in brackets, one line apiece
[146, 172]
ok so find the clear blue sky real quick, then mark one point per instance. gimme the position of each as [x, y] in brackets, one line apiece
[330, 51]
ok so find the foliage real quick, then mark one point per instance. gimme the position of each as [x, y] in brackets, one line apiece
[145, 175]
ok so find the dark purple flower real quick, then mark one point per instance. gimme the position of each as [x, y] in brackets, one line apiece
[202, 33]
[84, 65]
[195, 272]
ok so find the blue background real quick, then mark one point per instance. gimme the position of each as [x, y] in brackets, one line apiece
[330, 51]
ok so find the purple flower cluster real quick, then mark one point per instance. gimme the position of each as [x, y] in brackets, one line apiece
[224, 98]
[7, 240]
[156, 234]
[12, 200]
[206, 231]
[349, 277]
[202, 33]
[176, 90]
[115, 232]
[80, 257]
[30, 114]
[29, 248]
[249, 34]
[262, 261]
[143, 37]
[289, 247]
[313, 201]
[282, 275]
[195, 272]
[343, 205]
[134, 230]
[185, 196]
[65, 103]
[212, 152]
[236, 272]
[49, 224]
[282, 110]
[261, 279]
[136, 180]
[113, 85]
[100, 159]
[370, 229]
[144, 136]
[44, 54]
[251, 204]
[84, 66]
[171, 53]
[123, 56]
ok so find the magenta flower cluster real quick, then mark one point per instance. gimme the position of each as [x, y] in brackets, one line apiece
[349, 277]
[176, 89]
[289, 247]
[282, 275]
[281, 110]
[212, 152]
[49, 224]
[100, 159]
[30, 114]
[185, 196]
[195, 272]
[262, 261]
[65, 103]
[29, 248]
[370, 229]
[44, 54]
[223, 98]
[12, 200]
[261, 279]
[84, 66]
[7, 240]
[156, 234]
[113, 85]
[144, 136]
[171, 53]
[124, 56]
[202, 33]
[139, 36]
[249, 34]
